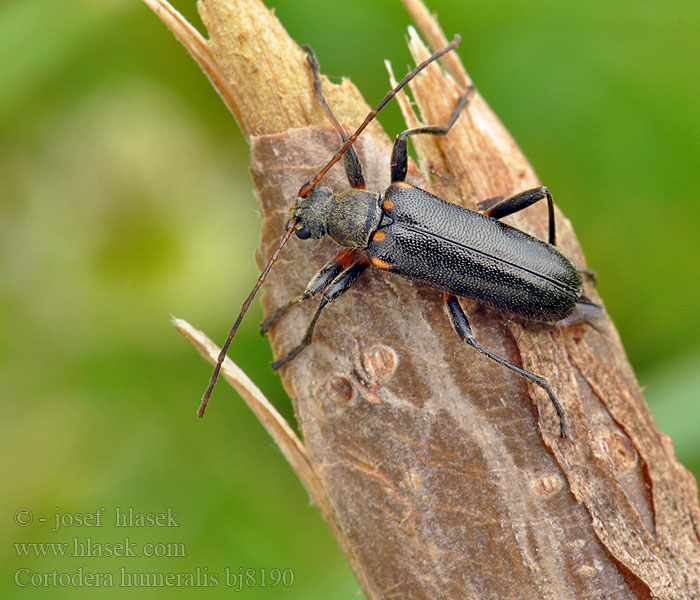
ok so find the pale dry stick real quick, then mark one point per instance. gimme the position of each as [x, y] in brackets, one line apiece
[196, 45]
[280, 431]
[429, 27]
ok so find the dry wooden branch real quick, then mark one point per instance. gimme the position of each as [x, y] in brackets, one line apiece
[444, 473]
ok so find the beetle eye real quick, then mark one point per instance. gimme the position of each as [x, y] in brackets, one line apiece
[303, 233]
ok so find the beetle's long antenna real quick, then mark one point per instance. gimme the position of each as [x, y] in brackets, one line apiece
[291, 224]
[310, 185]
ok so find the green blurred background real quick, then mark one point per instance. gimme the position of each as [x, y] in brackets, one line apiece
[125, 197]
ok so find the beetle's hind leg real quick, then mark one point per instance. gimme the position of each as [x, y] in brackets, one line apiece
[339, 285]
[498, 208]
[464, 330]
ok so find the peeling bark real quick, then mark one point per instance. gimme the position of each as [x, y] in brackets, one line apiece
[444, 471]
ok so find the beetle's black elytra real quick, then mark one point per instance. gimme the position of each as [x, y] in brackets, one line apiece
[450, 248]
[423, 238]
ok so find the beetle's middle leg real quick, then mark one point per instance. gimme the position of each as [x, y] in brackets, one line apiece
[339, 285]
[518, 202]
[462, 327]
[399, 155]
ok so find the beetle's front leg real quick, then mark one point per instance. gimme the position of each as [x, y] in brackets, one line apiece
[353, 167]
[464, 330]
[319, 282]
[341, 284]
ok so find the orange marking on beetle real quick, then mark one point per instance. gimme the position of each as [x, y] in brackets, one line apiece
[379, 236]
[402, 184]
[378, 262]
[387, 204]
[346, 257]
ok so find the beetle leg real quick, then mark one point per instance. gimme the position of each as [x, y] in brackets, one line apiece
[399, 155]
[463, 329]
[353, 168]
[341, 284]
[319, 282]
[520, 201]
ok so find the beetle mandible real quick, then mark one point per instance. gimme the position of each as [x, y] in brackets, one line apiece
[412, 233]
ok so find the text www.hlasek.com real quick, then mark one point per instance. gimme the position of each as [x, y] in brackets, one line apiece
[88, 548]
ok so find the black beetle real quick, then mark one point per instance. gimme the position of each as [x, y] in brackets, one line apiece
[426, 239]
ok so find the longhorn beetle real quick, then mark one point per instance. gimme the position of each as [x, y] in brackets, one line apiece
[421, 237]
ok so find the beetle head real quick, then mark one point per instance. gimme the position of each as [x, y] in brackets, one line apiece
[311, 212]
